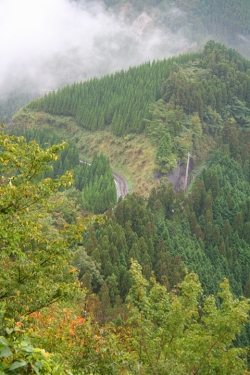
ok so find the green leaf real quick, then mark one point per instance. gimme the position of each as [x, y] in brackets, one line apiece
[6, 352]
[3, 341]
[36, 369]
[17, 364]
[26, 347]
[9, 331]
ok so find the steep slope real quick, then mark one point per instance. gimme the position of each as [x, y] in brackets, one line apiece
[185, 104]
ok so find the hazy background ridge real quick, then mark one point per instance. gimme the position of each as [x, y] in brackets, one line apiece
[49, 43]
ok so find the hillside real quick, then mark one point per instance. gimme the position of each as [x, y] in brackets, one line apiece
[132, 156]
[184, 106]
[199, 19]
[203, 105]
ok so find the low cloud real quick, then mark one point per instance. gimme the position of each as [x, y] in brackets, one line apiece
[49, 43]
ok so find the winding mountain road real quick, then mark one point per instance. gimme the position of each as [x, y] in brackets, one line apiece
[121, 184]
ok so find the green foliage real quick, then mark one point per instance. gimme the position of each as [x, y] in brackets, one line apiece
[35, 268]
[68, 158]
[99, 189]
[96, 181]
[119, 100]
[213, 80]
[20, 357]
[238, 110]
[164, 157]
[128, 232]
[184, 331]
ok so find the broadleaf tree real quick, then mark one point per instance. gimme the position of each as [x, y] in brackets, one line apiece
[35, 266]
[185, 332]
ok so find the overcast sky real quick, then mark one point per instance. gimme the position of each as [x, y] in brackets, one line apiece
[47, 43]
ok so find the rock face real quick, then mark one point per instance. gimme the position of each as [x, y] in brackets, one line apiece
[140, 23]
[177, 176]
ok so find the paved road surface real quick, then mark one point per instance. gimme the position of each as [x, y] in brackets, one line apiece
[121, 184]
[120, 181]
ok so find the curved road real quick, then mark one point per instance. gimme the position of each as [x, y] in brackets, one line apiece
[120, 181]
[121, 184]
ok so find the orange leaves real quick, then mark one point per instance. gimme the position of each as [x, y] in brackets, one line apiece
[57, 324]
[60, 330]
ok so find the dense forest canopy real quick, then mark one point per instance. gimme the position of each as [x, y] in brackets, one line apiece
[42, 266]
[119, 100]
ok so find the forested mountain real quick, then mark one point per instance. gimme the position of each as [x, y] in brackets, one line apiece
[196, 21]
[226, 19]
[187, 101]
[175, 102]
[119, 100]
[193, 81]
[197, 103]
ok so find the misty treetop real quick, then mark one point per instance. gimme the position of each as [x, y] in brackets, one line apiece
[13, 103]
[226, 18]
